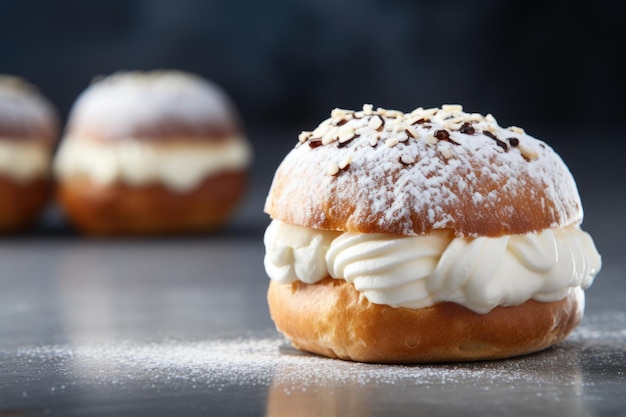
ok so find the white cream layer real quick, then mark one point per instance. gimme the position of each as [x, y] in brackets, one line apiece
[419, 271]
[24, 161]
[136, 162]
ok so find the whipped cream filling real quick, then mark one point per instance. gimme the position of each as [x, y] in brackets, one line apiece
[24, 161]
[420, 271]
[180, 167]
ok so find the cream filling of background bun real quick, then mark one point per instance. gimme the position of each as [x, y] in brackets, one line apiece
[134, 162]
[24, 161]
[419, 271]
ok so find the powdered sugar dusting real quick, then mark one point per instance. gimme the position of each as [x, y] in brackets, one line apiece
[427, 164]
[22, 104]
[251, 361]
[117, 104]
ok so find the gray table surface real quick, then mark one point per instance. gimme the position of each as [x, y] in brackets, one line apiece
[181, 327]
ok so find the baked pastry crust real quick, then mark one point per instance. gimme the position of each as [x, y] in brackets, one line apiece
[409, 174]
[333, 319]
[154, 106]
[26, 114]
[152, 209]
[28, 118]
[137, 113]
[476, 178]
[22, 203]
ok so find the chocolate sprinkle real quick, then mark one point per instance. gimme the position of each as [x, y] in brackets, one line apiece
[500, 143]
[444, 135]
[314, 143]
[513, 141]
[347, 142]
[467, 128]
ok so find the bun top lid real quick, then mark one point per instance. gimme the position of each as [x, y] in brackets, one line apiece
[153, 105]
[25, 113]
[385, 171]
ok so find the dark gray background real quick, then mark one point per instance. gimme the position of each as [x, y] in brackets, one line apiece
[286, 63]
[554, 68]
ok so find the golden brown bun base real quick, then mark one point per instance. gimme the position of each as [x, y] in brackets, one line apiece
[148, 210]
[331, 318]
[21, 204]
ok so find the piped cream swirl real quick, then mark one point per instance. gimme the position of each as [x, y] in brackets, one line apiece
[295, 253]
[180, 167]
[419, 271]
[24, 161]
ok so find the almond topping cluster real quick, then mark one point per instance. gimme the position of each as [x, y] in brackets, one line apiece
[392, 127]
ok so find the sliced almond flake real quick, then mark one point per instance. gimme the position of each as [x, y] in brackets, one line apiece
[333, 169]
[429, 112]
[439, 118]
[336, 112]
[346, 134]
[414, 118]
[338, 121]
[368, 109]
[381, 111]
[527, 152]
[446, 152]
[373, 140]
[330, 136]
[490, 119]
[452, 126]
[451, 108]
[303, 136]
[375, 122]
[412, 132]
[394, 113]
[391, 142]
[517, 129]
[431, 139]
[475, 117]
[345, 163]
[456, 119]
[321, 130]
[407, 160]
